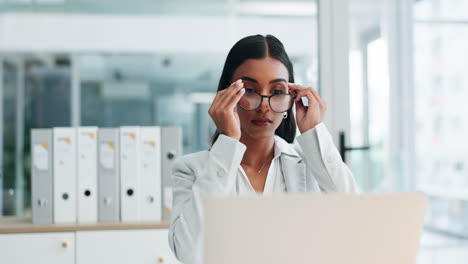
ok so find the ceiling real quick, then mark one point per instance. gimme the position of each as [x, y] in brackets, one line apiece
[164, 7]
[364, 14]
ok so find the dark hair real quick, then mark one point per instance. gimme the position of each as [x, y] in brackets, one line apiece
[258, 47]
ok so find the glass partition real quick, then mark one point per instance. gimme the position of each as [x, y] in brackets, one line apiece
[441, 88]
[157, 85]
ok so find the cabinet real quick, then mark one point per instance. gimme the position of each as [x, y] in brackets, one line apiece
[123, 246]
[50, 248]
[103, 243]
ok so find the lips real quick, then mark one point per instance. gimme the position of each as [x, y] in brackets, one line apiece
[262, 122]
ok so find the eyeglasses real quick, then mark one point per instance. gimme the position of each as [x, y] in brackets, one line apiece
[279, 102]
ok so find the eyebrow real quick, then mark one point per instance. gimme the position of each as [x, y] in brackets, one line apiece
[255, 81]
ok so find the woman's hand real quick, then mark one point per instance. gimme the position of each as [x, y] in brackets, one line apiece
[307, 117]
[223, 110]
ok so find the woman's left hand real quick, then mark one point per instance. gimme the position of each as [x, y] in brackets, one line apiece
[307, 117]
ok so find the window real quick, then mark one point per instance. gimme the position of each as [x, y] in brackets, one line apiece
[127, 81]
[441, 88]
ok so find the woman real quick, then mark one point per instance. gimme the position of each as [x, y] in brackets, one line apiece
[252, 149]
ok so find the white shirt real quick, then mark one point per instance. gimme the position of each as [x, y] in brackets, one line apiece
[311, 164]
[274, 181]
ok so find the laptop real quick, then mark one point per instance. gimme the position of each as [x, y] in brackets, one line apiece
[314, 228]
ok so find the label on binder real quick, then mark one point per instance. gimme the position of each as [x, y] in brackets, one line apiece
[106, 154]
[41, 156]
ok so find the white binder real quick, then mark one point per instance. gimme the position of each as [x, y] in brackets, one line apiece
[41, 176]
[109, 175]
[64, 171]
[151, 174]
[171, 142]
[87, 174]
[130, 173]
[1, 191]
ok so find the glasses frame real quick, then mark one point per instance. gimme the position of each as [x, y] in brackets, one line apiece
[269, 101]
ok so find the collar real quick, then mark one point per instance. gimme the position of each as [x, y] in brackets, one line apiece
[283, 147]
[292, 167]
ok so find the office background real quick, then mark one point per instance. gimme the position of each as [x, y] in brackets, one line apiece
[111, 63]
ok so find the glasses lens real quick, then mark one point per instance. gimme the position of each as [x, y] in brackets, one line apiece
[250, 101]
[281, 102]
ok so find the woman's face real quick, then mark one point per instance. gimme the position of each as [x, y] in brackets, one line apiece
[265, 76]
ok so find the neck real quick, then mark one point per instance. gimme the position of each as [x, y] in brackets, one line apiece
[258, 150]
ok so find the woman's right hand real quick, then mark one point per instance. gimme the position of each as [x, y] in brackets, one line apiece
[223, 110]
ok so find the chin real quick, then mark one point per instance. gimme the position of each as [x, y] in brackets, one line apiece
[260, 132]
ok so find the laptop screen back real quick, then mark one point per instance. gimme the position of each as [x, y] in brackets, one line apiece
[319, 228]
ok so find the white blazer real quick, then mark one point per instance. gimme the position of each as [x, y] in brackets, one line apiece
[311, 164]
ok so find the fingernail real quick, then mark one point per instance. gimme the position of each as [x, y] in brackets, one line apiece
[239, 81]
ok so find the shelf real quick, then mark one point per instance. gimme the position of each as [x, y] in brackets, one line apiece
[10, 225]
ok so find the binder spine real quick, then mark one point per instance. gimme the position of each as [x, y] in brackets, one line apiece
[87, 174]
[171, 149]
[64, 174]
[41, 176]
[151, 173]
[108, 175]
[130, 173]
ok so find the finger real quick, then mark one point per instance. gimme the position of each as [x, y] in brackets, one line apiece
[227, 103]
[301, 109]
[235, 99]
[323, 106]
[222, 96]
[298, 96]
[235, 86]
[322, 103]
[295, 87]
[226, 97]
[316, 95]
[310, 101]
[299, 92]
[311, 98]
[215, 102]
[304, 93]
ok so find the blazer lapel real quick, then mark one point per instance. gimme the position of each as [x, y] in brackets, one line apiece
[294, 173]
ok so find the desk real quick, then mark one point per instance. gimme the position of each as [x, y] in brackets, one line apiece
[113, 243]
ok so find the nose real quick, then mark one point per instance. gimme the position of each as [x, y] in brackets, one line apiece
[264, 106]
